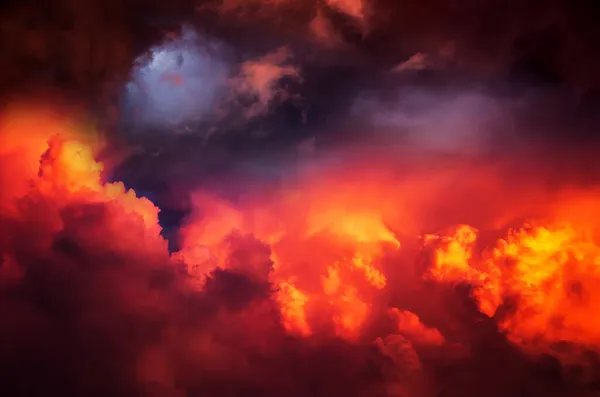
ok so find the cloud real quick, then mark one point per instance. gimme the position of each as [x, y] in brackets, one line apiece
[259, 81]
[353, 8]
[315, 286]
[422, 61]
[178, 82]
[190, 80]
[255, 303]
[458, 122]
[97, 305]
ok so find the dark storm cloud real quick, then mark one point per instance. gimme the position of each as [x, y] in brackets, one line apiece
[90, 46]
[89, 312]
[535, 59]
[92, 316]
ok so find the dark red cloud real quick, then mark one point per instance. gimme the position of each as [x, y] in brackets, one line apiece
[93, 304]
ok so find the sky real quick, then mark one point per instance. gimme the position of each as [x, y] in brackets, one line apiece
[325, 197]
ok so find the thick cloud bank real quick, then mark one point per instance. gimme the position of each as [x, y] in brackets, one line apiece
[358, 198]
[371, 276]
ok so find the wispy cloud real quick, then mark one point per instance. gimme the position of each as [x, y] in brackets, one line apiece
[258, 81]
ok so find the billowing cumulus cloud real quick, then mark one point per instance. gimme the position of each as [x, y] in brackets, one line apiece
[354, 198]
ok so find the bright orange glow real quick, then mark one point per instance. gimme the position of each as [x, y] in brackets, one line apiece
[70, 166]
[325, 252]
[68, 169]
[24, 135]
[552, 273]
[61, 166]
[555, 274]
[333, 238]
[452, 258]
[293, 303]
